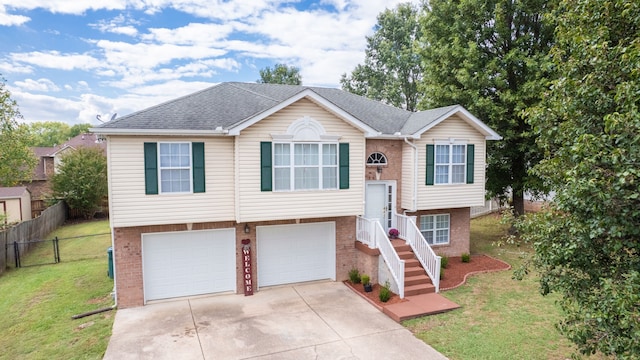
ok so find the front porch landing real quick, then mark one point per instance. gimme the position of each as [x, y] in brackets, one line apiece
[419, 305]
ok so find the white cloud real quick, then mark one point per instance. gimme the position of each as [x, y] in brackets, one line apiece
[192, 34]
[11, 20]
[57, 60]
[119, 25]
[42, 85]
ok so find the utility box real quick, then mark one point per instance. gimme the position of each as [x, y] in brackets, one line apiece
[110, 257]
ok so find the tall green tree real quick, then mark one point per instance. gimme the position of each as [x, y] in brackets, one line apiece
[587, 245]
[17, 161]
[490, 56]
[52, 133]
[392, 67]
[81, 180]
[280, 74]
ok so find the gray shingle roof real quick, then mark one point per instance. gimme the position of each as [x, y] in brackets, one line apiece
[228, 104]
[12, 192]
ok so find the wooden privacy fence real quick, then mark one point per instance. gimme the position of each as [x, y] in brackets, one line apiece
[27, 231]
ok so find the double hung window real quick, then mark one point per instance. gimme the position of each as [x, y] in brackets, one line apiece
[305, 166]
[435, 228]
[175, 167]
[450, 161]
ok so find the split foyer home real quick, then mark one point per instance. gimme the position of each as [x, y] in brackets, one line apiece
[243, 185]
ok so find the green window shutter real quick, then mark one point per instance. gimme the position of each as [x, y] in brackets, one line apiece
[430, 165]
[470, 157]
[266, 174]
[197, 149]
[151, 168]
[344, 165]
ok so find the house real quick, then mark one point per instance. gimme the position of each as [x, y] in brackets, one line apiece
[15, 204]
[242, 186]
[49, 160]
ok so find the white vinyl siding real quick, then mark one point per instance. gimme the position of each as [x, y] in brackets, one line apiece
[129, 206]
[408, 180]
[452, 195]
[256, 205]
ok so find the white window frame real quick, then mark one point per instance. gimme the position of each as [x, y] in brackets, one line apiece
[435, 231]
[450, 164]
[161, 168]
[321, 166]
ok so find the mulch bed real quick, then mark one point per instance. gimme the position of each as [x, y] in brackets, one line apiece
[455, 275]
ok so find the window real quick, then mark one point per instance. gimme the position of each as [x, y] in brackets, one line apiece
[174, 167]
[435, 228]
[450, 164]
[377, 158]
[305, 166]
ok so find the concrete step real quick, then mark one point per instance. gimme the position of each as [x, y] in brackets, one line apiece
[405, 255]
[414, 271]
[416, 280]
[419, 289]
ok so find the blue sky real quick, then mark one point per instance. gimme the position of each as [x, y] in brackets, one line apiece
[70, 60]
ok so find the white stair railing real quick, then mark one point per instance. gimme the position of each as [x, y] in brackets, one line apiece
[391, 258]
[365, 230]
[421, 248]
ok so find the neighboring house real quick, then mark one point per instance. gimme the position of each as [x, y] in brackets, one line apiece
[293, 174]
[15, 204]
[49, 160]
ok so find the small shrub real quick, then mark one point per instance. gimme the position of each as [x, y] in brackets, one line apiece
[385, 293]
[444, 262]
[354, 276]
[465, 257]
[365, 279]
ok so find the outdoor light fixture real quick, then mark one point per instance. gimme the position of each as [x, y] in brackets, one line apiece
[379, 169]
[246, 228]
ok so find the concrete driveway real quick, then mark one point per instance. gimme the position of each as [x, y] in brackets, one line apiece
[322, 320]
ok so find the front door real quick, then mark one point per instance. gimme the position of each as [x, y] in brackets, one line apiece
[380, 202]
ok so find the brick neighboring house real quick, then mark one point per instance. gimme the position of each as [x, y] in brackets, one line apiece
[49, 160]
[303, 181]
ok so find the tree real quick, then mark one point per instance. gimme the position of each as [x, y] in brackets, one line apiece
[587, 245]
[52, 133]
[17, 161]
[280, 74]
[81, 180]
[490, 56]
[392, 68]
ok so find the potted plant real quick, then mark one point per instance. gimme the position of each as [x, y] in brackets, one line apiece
[366, 283]
[393, 233]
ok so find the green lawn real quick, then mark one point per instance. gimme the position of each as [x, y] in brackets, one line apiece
[500, 318]
[37, 302]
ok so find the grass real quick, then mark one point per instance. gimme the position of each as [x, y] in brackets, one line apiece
[500, 318]
[37, 302]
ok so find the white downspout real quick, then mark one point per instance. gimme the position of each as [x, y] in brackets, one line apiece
[414, 194]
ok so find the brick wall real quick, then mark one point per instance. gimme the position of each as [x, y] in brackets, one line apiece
[128, 253]
[459, 222]
[392, 149]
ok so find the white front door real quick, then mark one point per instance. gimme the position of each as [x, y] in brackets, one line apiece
[380, 202]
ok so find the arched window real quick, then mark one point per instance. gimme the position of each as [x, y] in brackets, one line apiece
[377, 158]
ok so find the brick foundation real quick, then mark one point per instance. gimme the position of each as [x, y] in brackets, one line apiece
[460, 222]
[128, 253]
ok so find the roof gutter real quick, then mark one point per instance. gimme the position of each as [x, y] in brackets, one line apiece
[176, 132]
[414, 191]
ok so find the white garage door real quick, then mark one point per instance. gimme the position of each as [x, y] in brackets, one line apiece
[188, 263]
[296, 253]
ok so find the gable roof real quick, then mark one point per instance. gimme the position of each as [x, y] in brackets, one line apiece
[12, 192]
[227, 108]
[81, 140]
